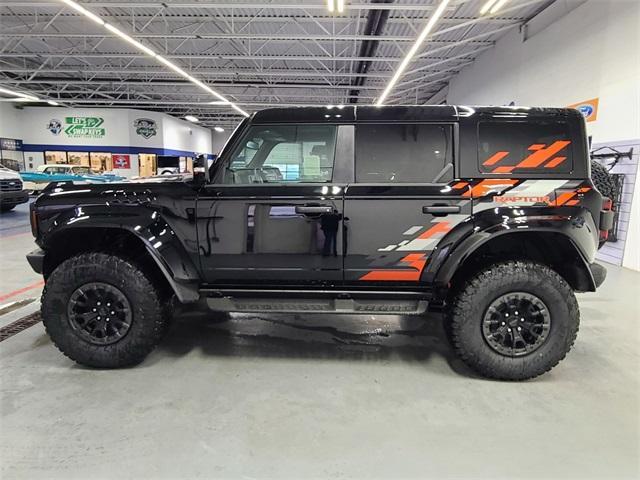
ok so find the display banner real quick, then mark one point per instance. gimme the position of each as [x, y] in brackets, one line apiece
[10, 144]
[588, 108]
[84, 127]
[121, 161]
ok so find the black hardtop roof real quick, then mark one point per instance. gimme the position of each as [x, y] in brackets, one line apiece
[371, 113]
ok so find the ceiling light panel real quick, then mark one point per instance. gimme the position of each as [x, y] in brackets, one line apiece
[413, 50]
[143, 48]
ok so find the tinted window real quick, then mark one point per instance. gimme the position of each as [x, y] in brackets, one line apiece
[524, 147]
[403, 153]
[283, 154]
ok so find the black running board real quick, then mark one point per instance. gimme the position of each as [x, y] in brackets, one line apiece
[295, 301]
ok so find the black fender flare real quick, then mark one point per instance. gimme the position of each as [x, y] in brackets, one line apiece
[573, 224]
[149, 226]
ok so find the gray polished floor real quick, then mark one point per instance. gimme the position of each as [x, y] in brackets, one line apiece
[346, 397]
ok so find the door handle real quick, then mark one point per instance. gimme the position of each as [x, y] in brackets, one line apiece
[307, 209]
[441, 210]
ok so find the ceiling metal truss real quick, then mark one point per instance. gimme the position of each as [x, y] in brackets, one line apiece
[257, 54]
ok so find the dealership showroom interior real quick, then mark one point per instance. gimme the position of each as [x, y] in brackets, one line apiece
[319, 239]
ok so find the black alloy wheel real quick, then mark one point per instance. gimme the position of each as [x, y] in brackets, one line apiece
[516, 324]
[99, 313]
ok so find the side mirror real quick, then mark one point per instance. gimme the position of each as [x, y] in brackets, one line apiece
[200, 170]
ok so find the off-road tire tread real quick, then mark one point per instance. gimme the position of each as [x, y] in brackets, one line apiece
[464, 309]
[150, 308]
[602, 180]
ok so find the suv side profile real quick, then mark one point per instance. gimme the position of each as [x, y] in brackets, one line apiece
[487, 213]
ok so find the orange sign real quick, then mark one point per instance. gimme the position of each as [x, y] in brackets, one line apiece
[588, 108]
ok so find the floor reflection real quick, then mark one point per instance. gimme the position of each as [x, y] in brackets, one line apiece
[328, 336]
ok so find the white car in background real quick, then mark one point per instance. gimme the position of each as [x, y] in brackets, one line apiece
[12, 192]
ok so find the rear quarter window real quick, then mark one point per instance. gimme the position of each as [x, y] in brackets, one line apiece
[514, 147]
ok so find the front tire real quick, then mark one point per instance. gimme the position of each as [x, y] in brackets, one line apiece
[102, 311]
[513, 320]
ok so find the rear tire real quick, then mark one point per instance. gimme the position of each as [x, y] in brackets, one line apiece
[134, 312]
[493, 341]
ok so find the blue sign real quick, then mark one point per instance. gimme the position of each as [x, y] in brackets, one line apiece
[586, 110]
[10, 144]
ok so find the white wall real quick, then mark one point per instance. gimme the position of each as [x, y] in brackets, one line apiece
[10, 126]
[593, 51]
[185, 135]
[218, 139]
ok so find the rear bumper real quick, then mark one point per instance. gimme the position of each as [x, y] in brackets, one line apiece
[14, 197]
[599, 273]
[36, 260]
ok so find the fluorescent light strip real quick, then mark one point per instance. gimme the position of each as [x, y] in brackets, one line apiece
[130, 40]
[84, 11]
[485, 8]
[498, 6]
[414, 49]
[153, 54]
[340, 4]
[22, 97]
[330, 5]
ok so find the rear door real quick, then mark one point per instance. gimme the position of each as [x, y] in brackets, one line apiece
[403, 201]
[274, 211]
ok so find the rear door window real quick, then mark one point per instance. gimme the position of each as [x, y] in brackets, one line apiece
[512, 148]
[403, 153]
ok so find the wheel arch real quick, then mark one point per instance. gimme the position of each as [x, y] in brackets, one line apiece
[169, 267]
[547, 246]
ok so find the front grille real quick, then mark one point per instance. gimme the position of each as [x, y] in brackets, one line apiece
[10, 185]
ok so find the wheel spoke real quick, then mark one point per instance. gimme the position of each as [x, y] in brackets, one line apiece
[87, 316]
[523, 320]
[90, 306]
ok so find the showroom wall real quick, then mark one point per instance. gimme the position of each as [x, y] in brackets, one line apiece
[599, 59]
[119, 131]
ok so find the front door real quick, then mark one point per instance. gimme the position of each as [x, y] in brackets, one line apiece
[273, 214]
[402, 203]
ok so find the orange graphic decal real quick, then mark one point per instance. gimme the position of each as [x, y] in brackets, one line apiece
[573, 202]
[460, 185]
[564, 198]
[536, 146]
[489, 185]
[503, 170]
[555, 162]
[522, 199]
[584, 189]
[416, 261]
[495, 158]
[540, 156]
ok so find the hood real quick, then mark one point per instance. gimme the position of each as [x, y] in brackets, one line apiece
[8, 174]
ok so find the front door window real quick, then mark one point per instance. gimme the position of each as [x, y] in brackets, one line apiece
[282, 154]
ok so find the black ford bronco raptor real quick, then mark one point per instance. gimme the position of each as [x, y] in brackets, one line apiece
[487, 213]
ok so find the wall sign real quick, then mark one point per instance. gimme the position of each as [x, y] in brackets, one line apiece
[588, 108]
[145, 127]
[10, 144]
[121, 161]
[84, 127]
[55, 126]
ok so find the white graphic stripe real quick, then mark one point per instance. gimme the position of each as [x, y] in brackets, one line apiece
[413, 230]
